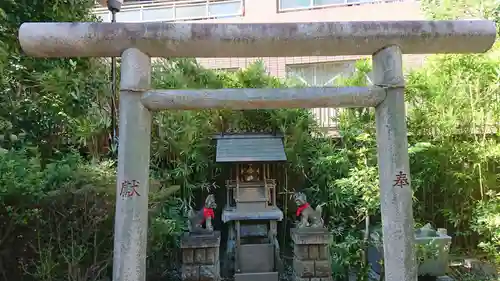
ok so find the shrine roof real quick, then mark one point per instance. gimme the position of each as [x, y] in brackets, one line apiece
[233, 148]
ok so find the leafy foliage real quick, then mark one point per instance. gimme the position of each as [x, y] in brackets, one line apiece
[462, 9]
[50, 101]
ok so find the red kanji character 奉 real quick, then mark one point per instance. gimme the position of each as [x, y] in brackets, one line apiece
[401, 180]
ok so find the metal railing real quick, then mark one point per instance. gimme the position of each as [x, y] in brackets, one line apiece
[294, 5]
[165, 10]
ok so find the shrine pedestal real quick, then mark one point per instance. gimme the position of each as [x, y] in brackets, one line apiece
[200, 257]
[311, 260]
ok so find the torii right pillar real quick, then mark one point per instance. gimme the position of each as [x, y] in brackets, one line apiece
[394, 168]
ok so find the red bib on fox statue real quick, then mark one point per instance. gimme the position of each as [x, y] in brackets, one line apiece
[301, 208]
[207, 213]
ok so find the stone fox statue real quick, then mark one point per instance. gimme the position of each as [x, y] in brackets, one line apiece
[205, 215]
[309, 217]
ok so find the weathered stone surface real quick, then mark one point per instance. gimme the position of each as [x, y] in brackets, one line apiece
[311, 253]
[187, 256]
[314, 252]
[310, 236]
[479, 266]
[190, 272]
[238, 99]
[324, 252]
[256, 258]
[394, 165]
[303, 268]
[92, 39]
[131, 216]
[322, 268]
[301, 251]
[209, 272]
[212, 255]
[200, 240]
[200, 256]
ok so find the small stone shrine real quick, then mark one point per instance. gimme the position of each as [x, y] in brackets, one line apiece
[311, 260]
[251, 213]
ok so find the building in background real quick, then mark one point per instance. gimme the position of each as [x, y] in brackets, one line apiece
[313, 70]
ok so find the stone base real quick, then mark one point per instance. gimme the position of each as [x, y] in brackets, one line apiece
[200, 240]
[200, 257]
[311, 252]
[309, 235]
[256, 258]
[201, 272]
[311, 256]
[312, 268]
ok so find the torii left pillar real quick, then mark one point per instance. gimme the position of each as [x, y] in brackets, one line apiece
[131, 218]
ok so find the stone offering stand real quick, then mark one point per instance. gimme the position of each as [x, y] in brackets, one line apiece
[311, 260]
[200, 257]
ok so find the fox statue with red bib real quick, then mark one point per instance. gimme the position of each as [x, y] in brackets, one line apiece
[196, 219]
[309, 217]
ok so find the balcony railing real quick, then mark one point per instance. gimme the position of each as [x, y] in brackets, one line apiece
[168, 10]
[295, 5]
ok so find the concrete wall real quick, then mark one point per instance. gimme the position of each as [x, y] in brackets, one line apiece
[267, 11]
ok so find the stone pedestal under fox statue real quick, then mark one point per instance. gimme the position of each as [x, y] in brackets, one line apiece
[309, 217]
[196, 219]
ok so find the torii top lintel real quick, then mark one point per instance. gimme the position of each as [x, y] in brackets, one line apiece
[93, 39]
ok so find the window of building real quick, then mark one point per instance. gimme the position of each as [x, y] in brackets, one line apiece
[191, 12]
[320, 74]
[328, 2]
[225, 8]
[158, 13]
[291, 5]
[230, 69]
[150, 11]
[128, 16]
[294, 4]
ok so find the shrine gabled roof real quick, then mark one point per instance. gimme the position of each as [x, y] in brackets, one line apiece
[233, 148]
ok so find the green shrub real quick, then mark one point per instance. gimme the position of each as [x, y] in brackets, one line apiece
[56, 219]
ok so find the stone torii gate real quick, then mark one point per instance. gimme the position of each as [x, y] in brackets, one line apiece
[136, 43]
